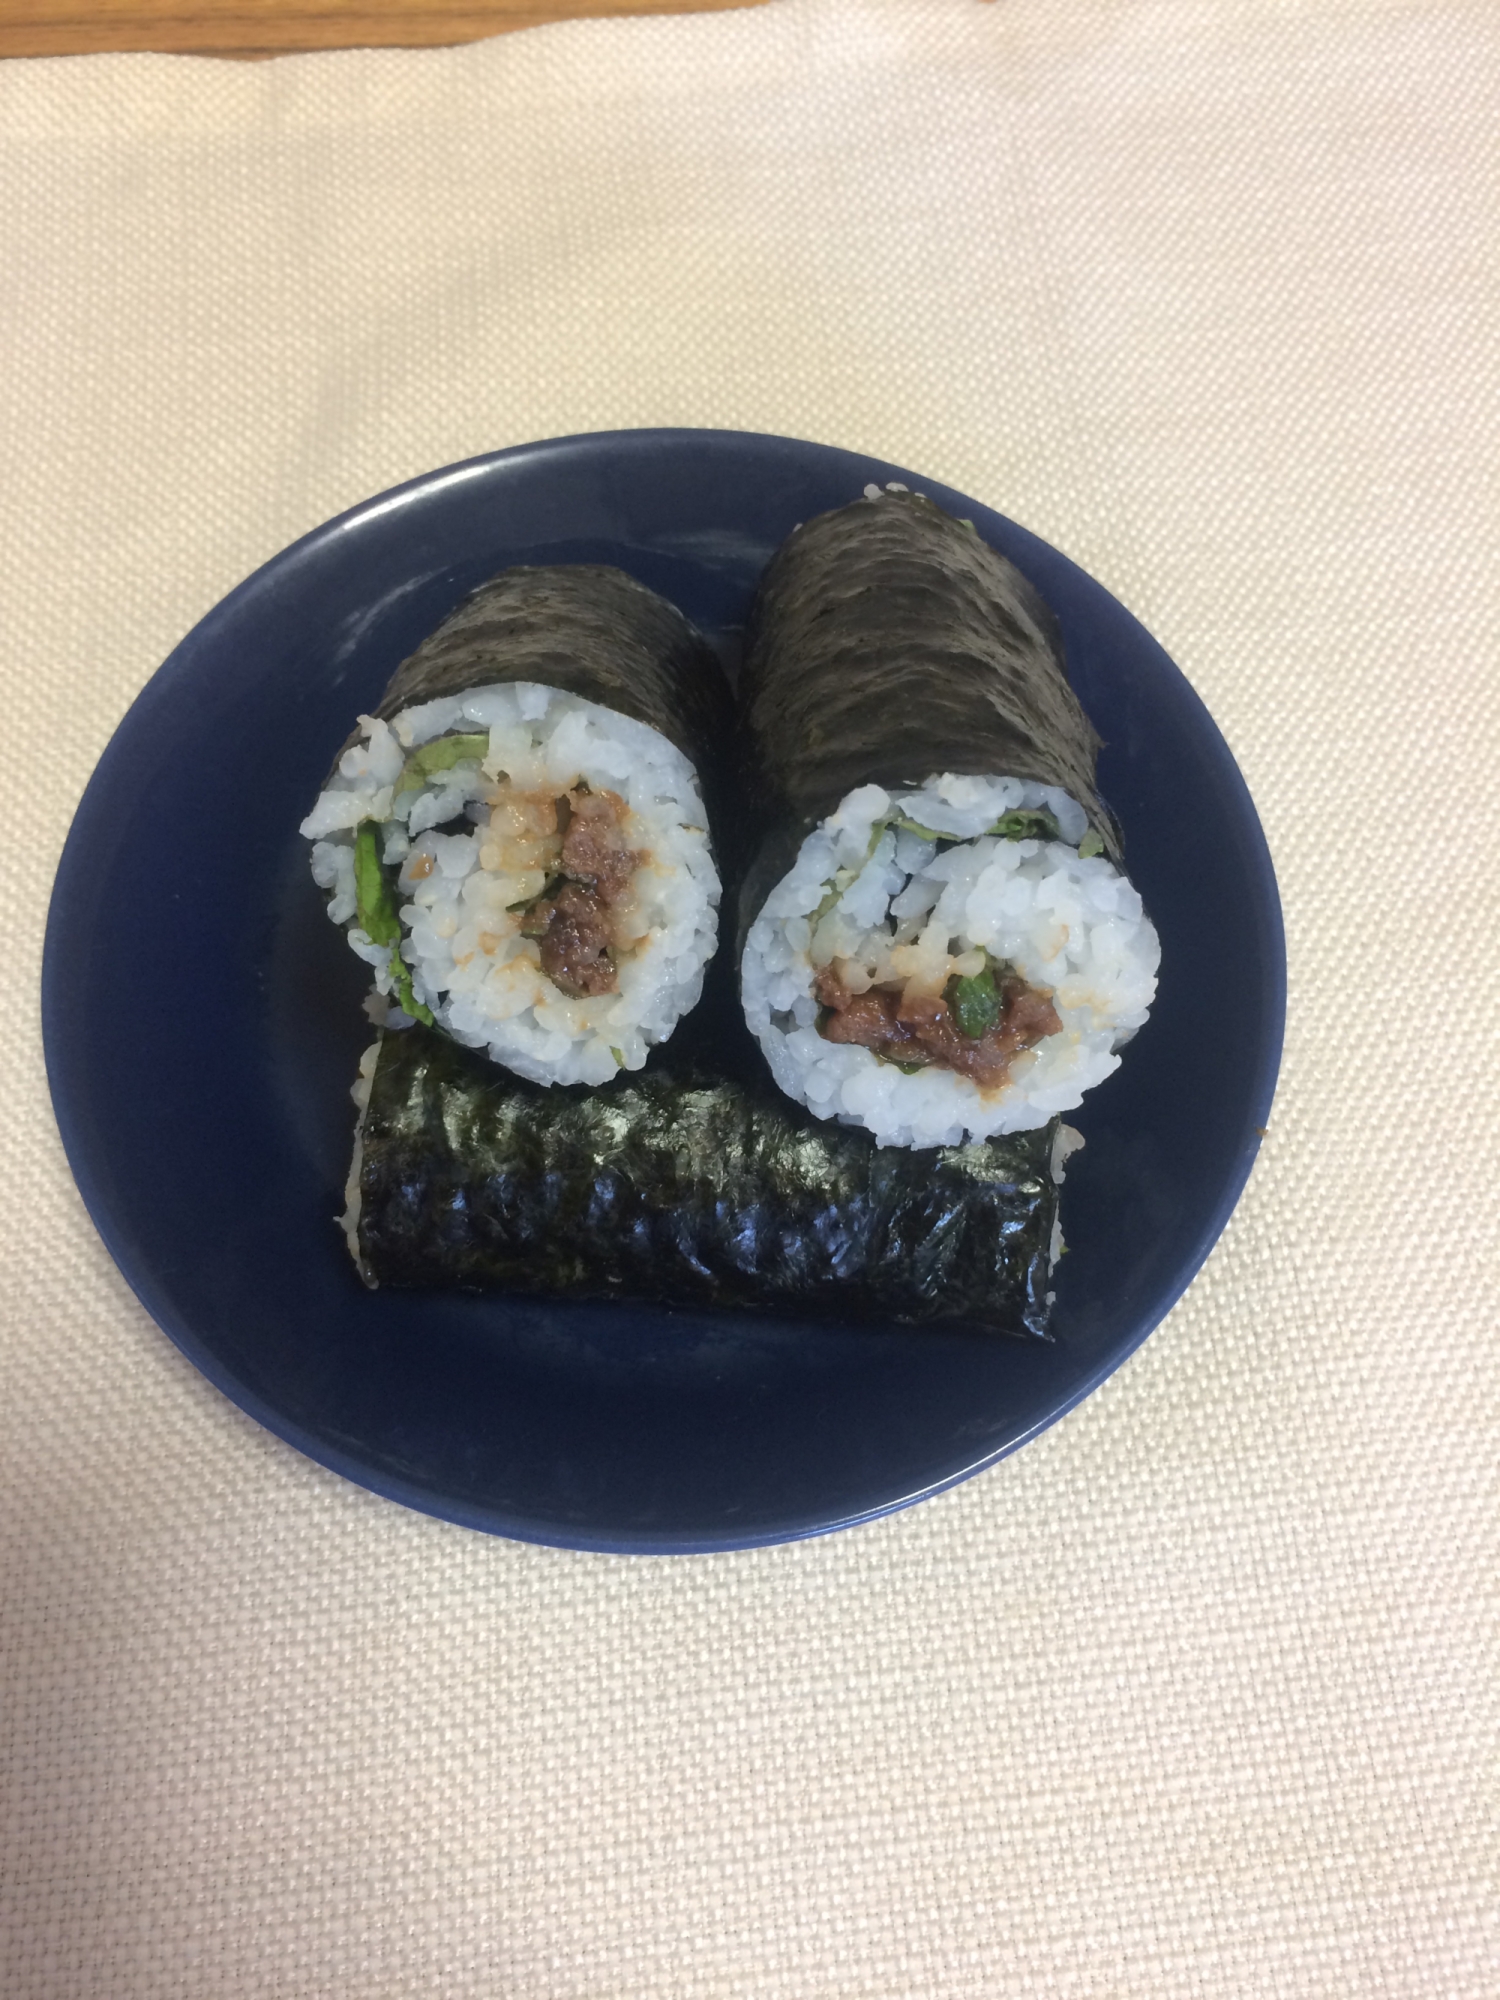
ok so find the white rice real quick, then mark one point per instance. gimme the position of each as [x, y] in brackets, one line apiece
[468, 961]
[886, 904]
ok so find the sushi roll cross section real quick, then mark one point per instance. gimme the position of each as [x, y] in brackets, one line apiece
[517, 839]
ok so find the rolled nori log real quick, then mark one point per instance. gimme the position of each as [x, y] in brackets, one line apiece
[888, 643]
[690, 1189]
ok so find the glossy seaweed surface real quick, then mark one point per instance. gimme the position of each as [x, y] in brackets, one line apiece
[684, 1187]
[212, 1151]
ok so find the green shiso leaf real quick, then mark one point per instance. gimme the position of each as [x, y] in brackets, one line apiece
[974, 1003]
[406, 993]
[1090, 844]
[441, 755]
[375, 906]
[376, 912]
[1026, 824]
[922, 832]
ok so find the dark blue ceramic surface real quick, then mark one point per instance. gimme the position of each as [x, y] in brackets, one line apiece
[203, 1023]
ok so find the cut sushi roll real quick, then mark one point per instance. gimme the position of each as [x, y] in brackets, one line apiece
[939, 943]
[517, 840]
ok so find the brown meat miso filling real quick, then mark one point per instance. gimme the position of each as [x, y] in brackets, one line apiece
[576, 925]
[919, 1029]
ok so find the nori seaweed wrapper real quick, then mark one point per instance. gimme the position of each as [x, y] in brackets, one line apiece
[888, 644]
[591, 630]
[690, 1188]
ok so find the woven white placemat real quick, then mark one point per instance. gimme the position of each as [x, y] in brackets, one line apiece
[1196, 1695]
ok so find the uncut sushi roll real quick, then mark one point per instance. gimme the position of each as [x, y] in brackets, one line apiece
[939, 942]
[516, 839]
[684, 1187]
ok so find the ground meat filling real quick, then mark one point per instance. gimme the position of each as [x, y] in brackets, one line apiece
[575, 944]
[919, 1029]
[576, 922]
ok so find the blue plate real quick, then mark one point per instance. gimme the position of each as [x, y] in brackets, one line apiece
[203, 1023]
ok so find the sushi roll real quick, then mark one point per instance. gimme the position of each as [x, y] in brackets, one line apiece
[516, 838]
[686, 1187]
[939, 942]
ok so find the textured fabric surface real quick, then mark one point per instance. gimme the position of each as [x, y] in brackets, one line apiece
[1197, 1694]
